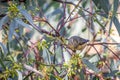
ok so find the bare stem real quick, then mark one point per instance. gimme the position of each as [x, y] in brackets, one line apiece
[101, 58]
[112, 52]
[102, 43]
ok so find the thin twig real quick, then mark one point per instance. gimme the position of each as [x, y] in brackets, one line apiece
[73, 5]
[102, 43]
[39, 19]
[112, 52]
[62, 18]
[30, 68]
[70, 13]
[101, 58]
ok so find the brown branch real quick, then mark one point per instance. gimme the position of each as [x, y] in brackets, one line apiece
[39, 19]
[30, 68]
[101, 58]
[113, 52]
[102, 43]
[73, 10]
[70, 13]
[73, 5]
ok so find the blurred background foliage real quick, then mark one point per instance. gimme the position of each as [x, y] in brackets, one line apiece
[35, 33]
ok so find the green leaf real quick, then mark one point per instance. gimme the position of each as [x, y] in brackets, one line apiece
[82, 76]
[19, 21]
[95, 78]
[19, 75]
[111, 74]
[52, 77]
[12, 26]
[113, 65]
[116, 4]
[84, 3]
[2, 64]
[94, 58]
[3, 48]
[103, 4]
[110, 26]
[117, 24]
[90, 65]
[62, 31]
[27, 16]
[58, 53]
[3, 21]
[46, 56]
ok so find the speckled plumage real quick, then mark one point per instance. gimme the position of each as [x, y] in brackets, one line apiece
[76, 43]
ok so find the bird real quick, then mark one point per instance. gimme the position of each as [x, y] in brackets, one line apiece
[77, 43]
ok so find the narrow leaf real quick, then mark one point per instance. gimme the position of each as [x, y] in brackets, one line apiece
[11, 29]
[2, 64]
[113, 65]
[117, 24]
[90, 65]
[62, 31]
[59, 54]
[94, 58]
[3, 21]
[105, 5]
[19, 75]
[110, 26]
[46, 56]
[82, 77]
[116, 4]
[27, 16]
[111, 74]
[19, 21]
[3, 48]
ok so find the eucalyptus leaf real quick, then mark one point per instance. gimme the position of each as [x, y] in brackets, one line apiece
[95, 78]
[110, 26]
[118, 63]
[113, 65]
[90, 65]
[111, 74]
[82, 77]
[2, 65]
[19, 75]
[94, 58]
[58, 53]
[104, 5]
[3, 48]
[19, 21]
[12, 27]
[117, 24]
[62, 31]
[3, 21]
[27, 16]
[116, 4]
[46, 56]
[52, 77]
[66, 78]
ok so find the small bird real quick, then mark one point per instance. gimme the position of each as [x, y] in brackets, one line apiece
[76, 43]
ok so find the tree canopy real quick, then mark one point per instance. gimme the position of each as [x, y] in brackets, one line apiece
[59, 40]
